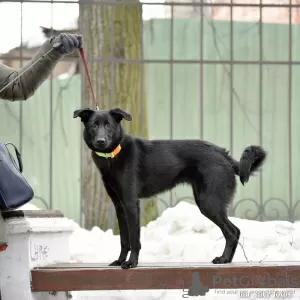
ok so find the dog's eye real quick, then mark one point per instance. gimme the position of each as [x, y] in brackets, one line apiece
[107, 125]
[95, 126]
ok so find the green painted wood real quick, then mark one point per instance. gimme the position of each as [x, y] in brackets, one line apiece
[67, 139]
[36, 144]
[245, 96]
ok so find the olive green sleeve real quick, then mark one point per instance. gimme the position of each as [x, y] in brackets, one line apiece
[26, 85]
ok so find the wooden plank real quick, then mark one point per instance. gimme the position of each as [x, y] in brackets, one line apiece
[75, 277]
[75, 265]
[32, 214]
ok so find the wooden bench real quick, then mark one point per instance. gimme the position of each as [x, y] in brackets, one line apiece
[31, 214]
[89, 276]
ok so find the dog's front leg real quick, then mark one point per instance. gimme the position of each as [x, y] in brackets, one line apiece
[124, 236]
[132, 216]
[124, 232]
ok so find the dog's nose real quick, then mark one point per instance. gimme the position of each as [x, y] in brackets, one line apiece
[100, 141]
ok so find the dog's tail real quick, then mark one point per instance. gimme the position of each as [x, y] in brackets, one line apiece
[252, 159]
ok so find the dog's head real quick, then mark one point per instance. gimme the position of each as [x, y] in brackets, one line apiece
[102, 129]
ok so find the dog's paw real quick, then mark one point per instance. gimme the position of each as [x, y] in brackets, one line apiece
[129, 264]
[220, 260]
[116, 263]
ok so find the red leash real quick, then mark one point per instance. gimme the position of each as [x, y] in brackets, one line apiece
[81, 51]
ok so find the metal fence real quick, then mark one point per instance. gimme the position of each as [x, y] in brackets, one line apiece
[226, 59]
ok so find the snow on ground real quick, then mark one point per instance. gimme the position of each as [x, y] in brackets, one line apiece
[28, 206]
[182, 234]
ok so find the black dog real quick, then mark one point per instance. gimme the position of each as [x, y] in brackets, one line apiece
[134, 168]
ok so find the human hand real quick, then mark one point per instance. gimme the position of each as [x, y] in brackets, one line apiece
[66, 43]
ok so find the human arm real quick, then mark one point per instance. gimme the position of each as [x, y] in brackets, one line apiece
[26, 85]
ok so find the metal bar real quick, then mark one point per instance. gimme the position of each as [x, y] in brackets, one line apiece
[159, 3]
[111, 85]
[191, 61]
[260, 106]
[291, 217]
[9, 57]
[102, 78]
[231, 205]
[231, 80]
[178, 61]
[112, 64]
[21, 65]
[81, 188]
[171, 70]
[51, 130]
[142, 117]
[201, 71]
[171, 82]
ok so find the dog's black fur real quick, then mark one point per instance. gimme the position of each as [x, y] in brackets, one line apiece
[145, 168]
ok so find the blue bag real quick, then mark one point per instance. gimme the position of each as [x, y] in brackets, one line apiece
[14, 189]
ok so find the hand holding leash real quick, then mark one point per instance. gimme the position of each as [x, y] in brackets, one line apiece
[66, 43]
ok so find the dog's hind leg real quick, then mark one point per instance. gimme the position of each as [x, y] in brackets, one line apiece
[124, 232]
[238, 233]
[138, 220]
[213, 208]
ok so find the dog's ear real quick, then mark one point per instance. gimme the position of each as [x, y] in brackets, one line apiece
[84, 114]
[120, 114]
